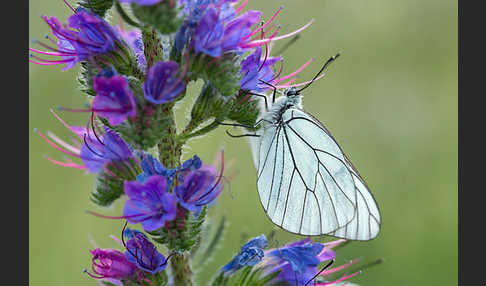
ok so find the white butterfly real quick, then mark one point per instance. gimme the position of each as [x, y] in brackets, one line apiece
[306, 183]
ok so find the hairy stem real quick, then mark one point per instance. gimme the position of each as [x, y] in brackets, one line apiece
[181, 270]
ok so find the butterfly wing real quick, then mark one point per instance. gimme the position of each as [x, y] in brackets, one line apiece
[366, 224]
[304, 182]
[367, 221]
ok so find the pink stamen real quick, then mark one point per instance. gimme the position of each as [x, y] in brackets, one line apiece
[69, 165]
[239, 9]
[46, 53]
[302, 83]
[55, 146]
[299, 70]
[289, 82]
[261, 42]
[339, 280]
[117, 217]
[42, 63]
[264, 25]
[339, 268]
[63, 122]
[63, 143]
[50, 61]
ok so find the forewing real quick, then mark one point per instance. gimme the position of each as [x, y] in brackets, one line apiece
[303, 180]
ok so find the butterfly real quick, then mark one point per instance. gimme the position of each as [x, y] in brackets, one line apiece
[306, 184]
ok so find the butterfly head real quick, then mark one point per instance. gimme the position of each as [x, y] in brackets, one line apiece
[292, 92]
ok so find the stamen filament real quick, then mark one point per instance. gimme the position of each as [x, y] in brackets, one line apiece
[261, 42]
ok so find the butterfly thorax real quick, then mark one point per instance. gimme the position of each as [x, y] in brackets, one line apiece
[290, 99]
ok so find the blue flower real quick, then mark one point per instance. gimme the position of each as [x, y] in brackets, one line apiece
[161, 84]
[151, 166]
[114, 100]
[199, 188]
[87, 35]
[209, 34]
[250, 254]
[94, 150]
[149, 203]
[298, 261]
[98, 151]
[254, 69]
[140, 251]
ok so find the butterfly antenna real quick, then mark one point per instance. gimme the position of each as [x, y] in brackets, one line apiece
[328, 62]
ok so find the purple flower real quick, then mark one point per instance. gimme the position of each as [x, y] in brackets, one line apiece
[209, 34]
[85, 36]
[220, 30]
[194, 10]
[251, 253]
[237, 31]
[199, 188]
[161, 84]
[149, 203]
[97, 151]
[298, 261]
[110, 263]
[142, 252]
[94, 150]
[142, 2]
[114, 100]
[255, 69]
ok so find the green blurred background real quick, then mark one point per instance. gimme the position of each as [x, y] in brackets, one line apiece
[390, 100]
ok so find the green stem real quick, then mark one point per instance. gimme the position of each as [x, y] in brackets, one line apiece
[151, 46]
[170, 156]
[181, 270]
[170, 151]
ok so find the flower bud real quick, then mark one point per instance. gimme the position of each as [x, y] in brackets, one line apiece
[111, 263]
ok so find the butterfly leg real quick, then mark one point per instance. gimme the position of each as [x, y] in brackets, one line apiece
[261, 95]
[242, 135]
[274, 89]
[244, 125]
